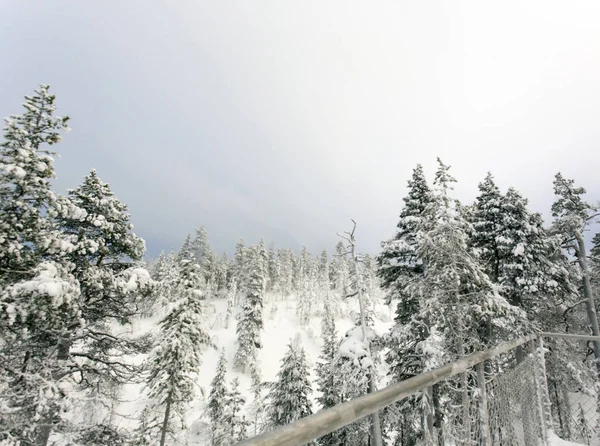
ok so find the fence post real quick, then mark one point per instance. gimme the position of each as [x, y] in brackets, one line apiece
[544, 384]
[538, 394]
[483, 406]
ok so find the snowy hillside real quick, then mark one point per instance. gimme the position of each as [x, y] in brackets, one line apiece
[281, 327]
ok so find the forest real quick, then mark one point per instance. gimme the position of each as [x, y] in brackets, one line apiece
[101, 345]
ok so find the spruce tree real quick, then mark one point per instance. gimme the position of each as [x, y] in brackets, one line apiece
[177, 357]
[217, 401]
[398, 262]
[572, 216]
[250, 323]
[273, 282]
[517, 253]
[235, 423]
[488, 224]
[185, 252]
[327, 381]
[455, 301]
[105, 248]
[289, 396]
[340, 271]
[285, 257]
[206, 258]
[27, 235]
[40, 304]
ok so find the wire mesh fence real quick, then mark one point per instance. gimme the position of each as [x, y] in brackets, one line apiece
[574, 399]
[523, 393]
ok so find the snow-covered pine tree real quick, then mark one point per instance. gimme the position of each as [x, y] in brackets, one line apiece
[235, 424]
[185, 252]
[488, 224]
[221, 273]
[324, 269]
[26, 167]
[39, 298]
[398, 261]
[456, 299]
[340, 271]
[572, 215]
[262, 258]
[105, 248]
[238, 267]
[286, 262]
[206, 258]
[217, 401]
[325, 377]
[518, 254]
[307, 287]
[177, 357]
[273, 282]
[250, 322]
[105, 263]
[289, 395]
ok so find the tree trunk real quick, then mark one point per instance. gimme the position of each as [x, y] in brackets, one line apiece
[163, 434]
[376, 437]
[590, 301]
[44, 430]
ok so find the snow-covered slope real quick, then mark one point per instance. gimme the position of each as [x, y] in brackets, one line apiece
[281, 327]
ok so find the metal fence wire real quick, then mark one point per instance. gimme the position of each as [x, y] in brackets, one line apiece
[574, 401]
[514, 412]
[526, 392]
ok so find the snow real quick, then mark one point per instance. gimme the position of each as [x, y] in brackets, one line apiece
[281, 327]
[519, 250]
[46, 282]
[354, 348]
[554, 440]
[17, 171]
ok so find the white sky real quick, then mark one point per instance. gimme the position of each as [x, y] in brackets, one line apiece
[286, 119]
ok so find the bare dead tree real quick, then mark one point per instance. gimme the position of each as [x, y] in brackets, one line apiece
[376, 437]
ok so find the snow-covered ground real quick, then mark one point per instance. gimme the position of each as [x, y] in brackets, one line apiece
[281, 327]
[553, 440]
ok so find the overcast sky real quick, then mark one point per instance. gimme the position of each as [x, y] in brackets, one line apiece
[283, 120]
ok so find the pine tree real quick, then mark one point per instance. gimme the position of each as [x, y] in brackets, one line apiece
[455, 299]
[285, 257]
[488, 223]
[178, 354]
[289, 396]
[238, 269]
[185, 252]
[517, 253]
[27, 235]
[105, 248]
[106, 263]
[250, 323]
[572, 216]
[325, 378]
[217, 401]
[235, 423]
[221, 273]
[340, 271]
[273, 282]
[398, 261]
[206, 258]
[39, 298]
